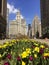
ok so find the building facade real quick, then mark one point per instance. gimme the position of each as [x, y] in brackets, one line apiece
[36, 27]
[7, 27]
[44, 5]
[29, 31]
[3, 12]
[17, 27]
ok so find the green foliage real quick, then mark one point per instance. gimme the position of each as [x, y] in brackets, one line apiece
[29, 51]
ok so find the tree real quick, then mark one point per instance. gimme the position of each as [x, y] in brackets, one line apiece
[37, 34]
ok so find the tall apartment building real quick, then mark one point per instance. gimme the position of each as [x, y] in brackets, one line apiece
[44, 5]
[3, 8]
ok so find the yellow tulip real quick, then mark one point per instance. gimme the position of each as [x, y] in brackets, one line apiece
[35, 55]
[28, 50]
[0, 46]
[24, 54]
[5, 45]
[0, 55]
[23, 63]
[46, 54]
[42, 46]
[36, 49]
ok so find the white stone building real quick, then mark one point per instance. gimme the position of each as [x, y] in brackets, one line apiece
[36, 26]
[17, 27]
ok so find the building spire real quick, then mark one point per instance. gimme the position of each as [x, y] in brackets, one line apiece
[18, 15]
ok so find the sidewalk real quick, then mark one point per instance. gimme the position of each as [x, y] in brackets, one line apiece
[43, 40]
[39, 40]
[5, 40]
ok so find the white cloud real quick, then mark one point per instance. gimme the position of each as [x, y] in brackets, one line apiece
[11, 8]
[22, 17]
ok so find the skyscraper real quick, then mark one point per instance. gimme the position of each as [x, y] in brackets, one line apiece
[3, 8]
[36, 27]
[44, 4]
[29, 31]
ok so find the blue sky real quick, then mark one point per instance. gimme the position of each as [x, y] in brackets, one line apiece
[28, 8]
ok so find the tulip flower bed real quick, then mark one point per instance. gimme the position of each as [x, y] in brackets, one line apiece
[24, 52]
